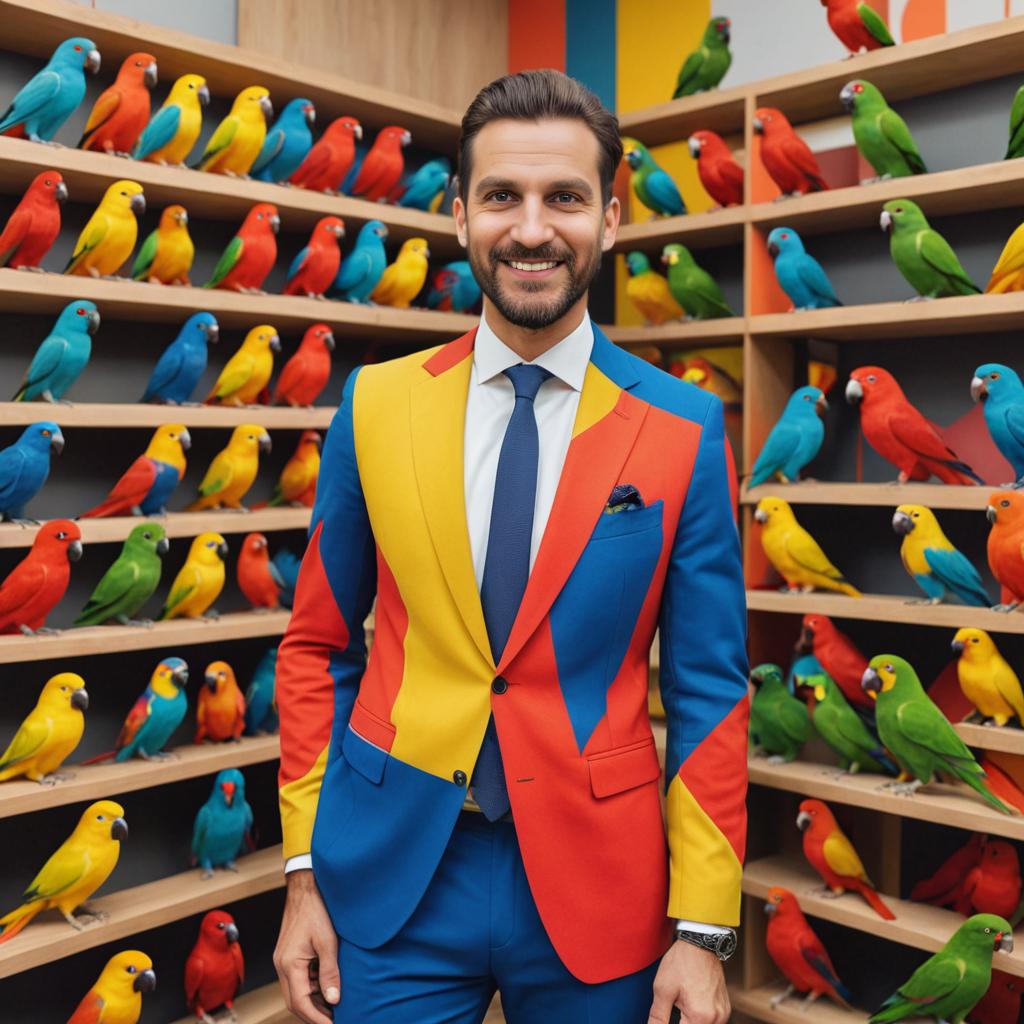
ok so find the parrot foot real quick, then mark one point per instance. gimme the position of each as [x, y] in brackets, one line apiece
[53, 142]
[924, 600]
[907, 788]
[41, 631]
[206, 1018]
[775, 1000]
[54, 777]
[124, 620]
[1004, 607]
[210, 615]
[93, 272]
[231, 866]
[24, 522]
[136, 511]
[784, 195]
[921, 298]
[829, 894]
[776, 759]
[205, 874]
[35, 270]
[809, 1000]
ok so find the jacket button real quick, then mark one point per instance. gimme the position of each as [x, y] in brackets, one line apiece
[500, 685]
[459, 777]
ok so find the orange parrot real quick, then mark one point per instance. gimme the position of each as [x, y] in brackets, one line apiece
[305, 375]
[297, 483]
[220, 711]
[121, 111]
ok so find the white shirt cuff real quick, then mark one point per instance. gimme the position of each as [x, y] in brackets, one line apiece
[298, 862]
[689, 926]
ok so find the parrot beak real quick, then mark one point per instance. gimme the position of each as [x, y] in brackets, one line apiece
[358, 131]
[329, 341]
[231, 933]
[806, 642]
[211, 681]
[1004, 943]
[74, 551]
[80, 700]
[275, 343]
[92, 61]
[267, 107]
[978, 390]
[119, 829]
[203, 95]
[871, 682]
[426, 254]
[406, 138]
[222, 552]
[761, 516]
[758, 126]
[138, 204]
[185, 440]
[694, 146]
[770, 909]
[773, 249]
[57, 444]
[60, 193]
[854, 392]
[149, 76]
[275, 223]
[885, 221]
[846, 98]
[264, 443]
[182, 217]
[229, 792]
[991, 514]
[145, 981]
[821, 406]
[212, 332]
[310, 114]
[902, 523]
[163, 545]
[803, 821]
[958, 646]
[93, 319]
[180, 676]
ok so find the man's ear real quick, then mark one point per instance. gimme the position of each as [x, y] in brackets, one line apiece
[612, 215]
[459, 213]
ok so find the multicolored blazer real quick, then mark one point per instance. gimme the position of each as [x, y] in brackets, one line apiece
[376, 753]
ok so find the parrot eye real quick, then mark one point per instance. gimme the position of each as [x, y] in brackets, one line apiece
[993, 376]
[148, 535]
[130, 969]
[45, 433]
[80, 311]
[61, 535]
[988, 931]
[47, 183]
[1005, 503]
[899, 209]
[858, 87]
[99, 817]
[220, 924]
[871, 378]
[784, 235]
[888, 668]
[915, 514]
[974, 639]
[191, 86]
[78, 48]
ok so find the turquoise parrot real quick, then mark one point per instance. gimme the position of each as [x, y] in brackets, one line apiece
[403, 280]
[260, 703]
[52, 94]
[220, 709]
[110, 233]
[363, 267]
[121, 111]
[1001, 393]
[223, 825]
[62, 355]
[425, 187]
[454, 288]
[799, 274]
[857, 25]
[236, 142]
[166, 255]
[794, 440]
[932, 560]
[215, 968]
[287, 142]
[779, 724]
[382, 167]
[77, 868]
[692, 286]
[882, 136]
[987, 679]
[1015, 146]
[34, 223]
[233, 469]
[948, 985]
[49, 733]
[249, 256]
[652, 185]
[917, 733]
[326, 165]
[116, 998]
[706, 67]
[199, 581]
[174, 128]
[649, 291]
[25, 467]
[130, 581]
[921, 254]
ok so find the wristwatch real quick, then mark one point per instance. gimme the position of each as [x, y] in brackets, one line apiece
[722, 943]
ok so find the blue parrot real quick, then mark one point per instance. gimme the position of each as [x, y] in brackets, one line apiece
[52, 94]
[362, 268]
[25, 465]
[159, 710]
[260, 709]
[794, 440]
[287, 142]
[223, 824]
[285, 567]
[426, 184]
[454, 288]
[799, 274]
[1000, 390]
[63, 354]
[183, 362]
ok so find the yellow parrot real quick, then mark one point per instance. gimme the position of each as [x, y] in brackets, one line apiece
[649, 291]
[234, 146]
[248, 371]
[49, 733]
[1008, 273]
[986, 678]
[167, 253]
[168, 445]
[402, 280]
[200, 580]
[109, 235]
[77, 868]
[233, 469]
[795, 553]
[116, 998]
[173, 129]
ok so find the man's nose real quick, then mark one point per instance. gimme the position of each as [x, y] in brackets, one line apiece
[533, 227]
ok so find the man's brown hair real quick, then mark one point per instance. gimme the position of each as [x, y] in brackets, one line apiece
[535, 96]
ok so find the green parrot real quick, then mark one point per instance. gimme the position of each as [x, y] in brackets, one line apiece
[948, 985]
[882, 136]
[843, 729]
[779, 723]
[921, 254]
[128, 584]
[916, 732]
[706, 66]
[1015, 147]
[692, 286]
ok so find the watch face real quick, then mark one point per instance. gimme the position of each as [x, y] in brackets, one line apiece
[727, 945]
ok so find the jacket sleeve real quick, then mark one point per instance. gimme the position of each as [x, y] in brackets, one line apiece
[323, 654]
[703, 679]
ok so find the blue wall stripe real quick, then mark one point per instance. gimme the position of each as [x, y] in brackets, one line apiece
[590, 54]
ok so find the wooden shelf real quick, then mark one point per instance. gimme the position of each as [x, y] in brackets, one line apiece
[39, 25]
[917, 924]
[885, 608]
[1008, 739]
[756, 1002]
[111, 414]
[142, 907]
[99, 781]
[88, 640]
[177, 524]
[216, 196]
[944, 805]
[813, 492]
[720, 110]
[691, 333]
[694, 230]
[264, 1005]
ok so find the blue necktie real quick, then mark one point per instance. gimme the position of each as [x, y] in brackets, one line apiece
[507, 565]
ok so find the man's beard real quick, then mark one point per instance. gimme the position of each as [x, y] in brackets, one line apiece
[534, 315]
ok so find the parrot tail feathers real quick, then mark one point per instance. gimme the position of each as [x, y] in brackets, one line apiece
[106, 756]
[875, 902]
[12, 923]
[976, 783]
[849, 589]
[882, 757]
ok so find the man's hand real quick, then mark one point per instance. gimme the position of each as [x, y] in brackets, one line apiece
[692, 979]
[306, 957]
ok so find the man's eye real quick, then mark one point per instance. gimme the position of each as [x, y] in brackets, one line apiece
[499, 196]
[566, 197]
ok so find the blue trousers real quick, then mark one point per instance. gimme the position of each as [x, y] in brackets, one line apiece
[477, 930]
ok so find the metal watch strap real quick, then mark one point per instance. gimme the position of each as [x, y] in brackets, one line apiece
[722, 944]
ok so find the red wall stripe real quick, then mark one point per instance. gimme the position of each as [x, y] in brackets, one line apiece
[536, 34]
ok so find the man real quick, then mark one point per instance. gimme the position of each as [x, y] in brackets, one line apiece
[477, 805]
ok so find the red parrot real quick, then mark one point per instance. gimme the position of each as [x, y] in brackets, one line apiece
[798, 952]
[305, 375]
[717, 169]
[38, 582]
[950, 876]
[250, 255]
[34, 223]
[832, 855]
[856, 28]
[314, 269]
[1005, 512]
[786, 157]
[256, 577]
[215, 968]
[326, 164]
[220, 709]
[383, 164]
[900, 433]
[121, 111]
[1001, 1003]
[838, 656]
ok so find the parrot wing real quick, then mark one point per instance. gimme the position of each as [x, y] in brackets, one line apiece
[354, 270]
[663, 190]
[895, 129]
[30, 737]
[12, 465]
[235, 375]
[921, 722]
[275, 575]
[272, 146]
[814, 277]
[793, 720]
[47, 358]
[103, 110]
[111, 590]
[218, 476]
[160, 130]
[92, 236]
[166, 371]
[807, 553]
[841, 857]
[689, 71]
[315, 163]
[799, 154]
[199, 829]
[1014, 420]
[228, 258]
[134, 484]
[24, 582]
[236, 956]
[814, 953]
[298, 263]
[90, 1009]
[220, 140]
[933, 980]
[38, 91]
[136, 719]
[65, 868]
[957, 573]
[195, 972]
[186, 582]
[144, 261]
[1016, 126]
[875, 24]
[17, 227]
[913, 431]
[938, 254]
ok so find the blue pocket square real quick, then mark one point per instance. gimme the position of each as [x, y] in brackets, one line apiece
[624, 498]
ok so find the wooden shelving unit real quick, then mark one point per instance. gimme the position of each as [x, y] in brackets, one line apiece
[757, 1003]
[935, 496]
[691, 333]
[699, 230]
[263, 1005]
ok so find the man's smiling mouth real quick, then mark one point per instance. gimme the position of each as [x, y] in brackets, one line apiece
[532, 266]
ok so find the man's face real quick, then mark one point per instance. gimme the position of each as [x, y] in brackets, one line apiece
[533, 222]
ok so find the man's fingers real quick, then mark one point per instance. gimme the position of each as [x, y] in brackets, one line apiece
[300, 989]
[328, 974]
[661, 1008]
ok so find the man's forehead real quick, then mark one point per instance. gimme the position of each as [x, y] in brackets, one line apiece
[559, 148]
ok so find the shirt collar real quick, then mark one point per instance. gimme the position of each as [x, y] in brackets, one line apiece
[567, 359]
